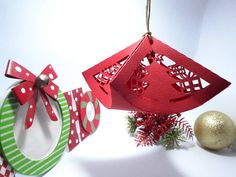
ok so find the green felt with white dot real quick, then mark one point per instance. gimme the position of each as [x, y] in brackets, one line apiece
[11, 152]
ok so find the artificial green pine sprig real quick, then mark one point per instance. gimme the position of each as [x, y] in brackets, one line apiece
[131, 125]
[173, 138]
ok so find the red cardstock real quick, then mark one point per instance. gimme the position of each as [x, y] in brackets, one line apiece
[5, 168]
[90, 125]
[152, 77]
[80, 126]
[77, 132]
[28, 90]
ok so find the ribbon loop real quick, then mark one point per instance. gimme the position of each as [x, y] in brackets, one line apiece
[49, 71]
[15, 70]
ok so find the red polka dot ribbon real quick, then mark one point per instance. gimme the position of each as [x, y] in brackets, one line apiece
[77, 132]
[31, 87]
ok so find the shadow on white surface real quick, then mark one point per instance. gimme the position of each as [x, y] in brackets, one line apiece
[135, 166]
[229, 152]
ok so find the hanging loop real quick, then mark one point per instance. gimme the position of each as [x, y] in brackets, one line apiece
[148, 15]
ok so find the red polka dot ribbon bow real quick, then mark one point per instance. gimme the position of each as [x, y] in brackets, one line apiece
[31, 87]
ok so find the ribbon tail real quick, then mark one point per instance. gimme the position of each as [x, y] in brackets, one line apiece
[48, 107]
[31, 111]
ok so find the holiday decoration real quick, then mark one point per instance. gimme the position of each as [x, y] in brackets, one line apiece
[77, 133]
[90, 125]
[31, 85]
[150, 129]
[40, 95]
[9, 147]
[5, 169]
[81, 127]
[214, 130]
[173, 138]
[152, 79]
[150, 76]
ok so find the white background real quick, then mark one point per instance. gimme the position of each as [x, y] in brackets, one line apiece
[73, 35]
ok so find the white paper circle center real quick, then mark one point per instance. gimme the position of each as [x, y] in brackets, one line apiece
[38, 141]
[90, 111]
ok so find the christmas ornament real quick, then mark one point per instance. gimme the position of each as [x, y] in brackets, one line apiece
[150, 129]
[90, 124]
[69, 108]
[5, 169]
[150, 76]
[31, 86]
[214, 130]
[81, 127]
[26, 92]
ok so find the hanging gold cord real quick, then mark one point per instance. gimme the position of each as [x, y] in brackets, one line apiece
[148, 15]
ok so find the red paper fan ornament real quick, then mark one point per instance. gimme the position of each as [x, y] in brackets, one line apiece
[150, 76]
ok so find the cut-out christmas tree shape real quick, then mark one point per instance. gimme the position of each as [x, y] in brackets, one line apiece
[153, 77]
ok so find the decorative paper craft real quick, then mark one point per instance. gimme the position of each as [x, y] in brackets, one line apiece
[76, 122]
[31, 86]
[81, 126]
[90, 125]
[5, 169]
[150, 76]
[18, 161]
[77, 133]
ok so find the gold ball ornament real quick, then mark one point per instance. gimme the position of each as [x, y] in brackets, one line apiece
[214, 130]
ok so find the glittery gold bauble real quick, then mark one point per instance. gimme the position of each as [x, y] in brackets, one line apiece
[214, 130]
